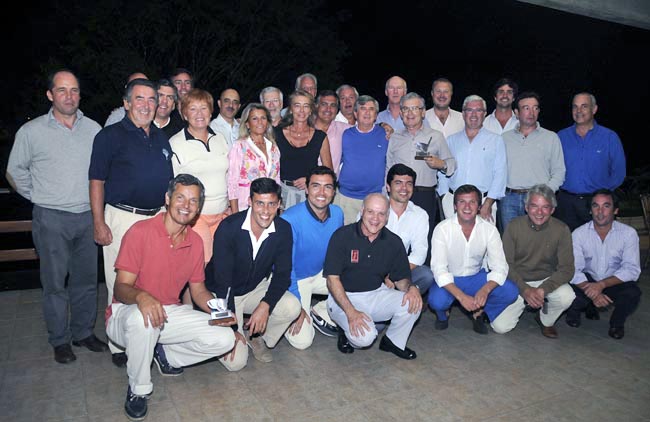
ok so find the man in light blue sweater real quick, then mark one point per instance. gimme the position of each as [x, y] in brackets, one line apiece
[313, 223]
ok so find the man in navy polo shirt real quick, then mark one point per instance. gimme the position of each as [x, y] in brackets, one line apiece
[130, 168]
[359, 258]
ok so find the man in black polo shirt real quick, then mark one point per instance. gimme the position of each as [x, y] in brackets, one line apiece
[130, 169]
[360, 256]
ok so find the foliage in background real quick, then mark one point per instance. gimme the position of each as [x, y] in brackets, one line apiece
[245, 44]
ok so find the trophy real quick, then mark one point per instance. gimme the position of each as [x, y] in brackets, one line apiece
[422, 150]
[220, 314]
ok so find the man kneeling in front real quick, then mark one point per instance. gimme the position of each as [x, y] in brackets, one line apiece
[157, 258]
[359, 258]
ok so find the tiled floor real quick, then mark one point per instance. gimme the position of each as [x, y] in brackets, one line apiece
[458, 376]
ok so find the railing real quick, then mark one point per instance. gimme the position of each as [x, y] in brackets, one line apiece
[9, 255]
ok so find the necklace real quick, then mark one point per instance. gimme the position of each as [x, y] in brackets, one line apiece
[296, 133]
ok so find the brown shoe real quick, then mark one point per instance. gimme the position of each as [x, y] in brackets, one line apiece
[549, 332]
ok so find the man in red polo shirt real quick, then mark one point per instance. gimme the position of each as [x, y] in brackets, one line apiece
[157, 258]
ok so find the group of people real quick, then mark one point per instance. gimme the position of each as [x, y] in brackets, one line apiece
[327, 215]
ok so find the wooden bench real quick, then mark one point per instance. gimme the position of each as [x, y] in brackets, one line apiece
[9, 255]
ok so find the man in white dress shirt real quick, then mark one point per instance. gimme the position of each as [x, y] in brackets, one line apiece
[503, 118]
[480, 159]
[409, 222]
[460, 244]
[225, 123]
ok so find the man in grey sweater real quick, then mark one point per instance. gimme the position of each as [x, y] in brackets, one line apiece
[48, 165]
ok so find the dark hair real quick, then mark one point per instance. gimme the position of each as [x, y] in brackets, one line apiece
[527, 94]
[506, 81]
[326, 93]
[170, 84]
[606, 192]
[467, 189]
[178, 71]
[319, 171]
[139, 82]
[187, 180]
[400, 169]
[264, 185]
[52, 75]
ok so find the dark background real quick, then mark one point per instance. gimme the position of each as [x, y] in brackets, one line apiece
[250, 44]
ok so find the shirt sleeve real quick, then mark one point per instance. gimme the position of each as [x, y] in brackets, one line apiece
[500, 171]
[20, 161]
[579, 243]
[130, 255]
[565, 269]
[496, 259]
[419, 241]
[335, 256]
[100, 159]
[616, 161]
[281, 279]
[629, 268]
[439, 259]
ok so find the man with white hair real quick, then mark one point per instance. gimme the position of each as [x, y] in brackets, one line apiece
[481, 160]
[272, 98]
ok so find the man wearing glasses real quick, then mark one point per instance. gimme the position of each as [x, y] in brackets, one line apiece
[481, 160]
[424, 150]
[248, 247]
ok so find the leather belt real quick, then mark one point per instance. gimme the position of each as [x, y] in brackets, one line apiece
[134, 210]
[508, 190]
[452, 192]
[424, 188]
[577, 195]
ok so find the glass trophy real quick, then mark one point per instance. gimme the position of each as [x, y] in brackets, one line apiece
[422, 150]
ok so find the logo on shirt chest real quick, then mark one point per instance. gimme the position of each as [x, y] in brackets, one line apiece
[354, 256]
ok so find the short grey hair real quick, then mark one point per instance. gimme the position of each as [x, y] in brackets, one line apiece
[543, 191]
[591, 97]
[270, 89]
[410, 96]
[303, 76]
[346, 86]
[365, 99]
[474, 97]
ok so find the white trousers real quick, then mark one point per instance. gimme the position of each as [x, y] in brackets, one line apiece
[186, 336]
[285, 312]
[559, 301]
[350, 206]
[448, 206]
[382, 304]
[307, 287]
[119, 221]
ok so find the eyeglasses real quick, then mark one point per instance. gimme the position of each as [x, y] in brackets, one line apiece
[474, 110]
[410, 108]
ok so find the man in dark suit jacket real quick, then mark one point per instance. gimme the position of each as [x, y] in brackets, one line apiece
[248, 247]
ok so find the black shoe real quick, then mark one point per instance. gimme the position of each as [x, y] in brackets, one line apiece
[91, 343]
[343, 344]
[478, 324]
[616, 332]
[573, 319]
[160, 359]
[387, 346]
[321, 325]
[63, 354]
[592, 313]
[441, 325]
[135, 407]
[119, 359]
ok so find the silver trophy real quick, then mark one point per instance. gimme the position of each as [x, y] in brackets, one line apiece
[422, 150]
[219, 310]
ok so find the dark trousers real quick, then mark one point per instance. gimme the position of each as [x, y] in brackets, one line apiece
[626, 297]
[429, 202]
[66, 250]
[573, 210]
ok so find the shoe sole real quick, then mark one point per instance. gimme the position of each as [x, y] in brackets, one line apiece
[136, 418]
[163, 373]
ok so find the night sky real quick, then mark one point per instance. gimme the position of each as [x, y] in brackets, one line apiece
[472, 43]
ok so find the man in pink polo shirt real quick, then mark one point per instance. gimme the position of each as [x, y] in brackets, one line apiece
[157, 258]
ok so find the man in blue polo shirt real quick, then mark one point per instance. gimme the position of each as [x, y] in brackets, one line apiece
[130, 168]
[594, 159]
[313, 223]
